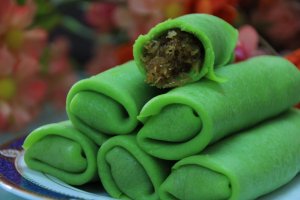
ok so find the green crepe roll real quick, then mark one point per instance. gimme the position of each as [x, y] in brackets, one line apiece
[108, 104]
[241, 167]
[185, 120]
[62, 151]
[127, 172]
[185, 49]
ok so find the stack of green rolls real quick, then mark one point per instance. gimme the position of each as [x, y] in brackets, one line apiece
[98, 107]
[185, 120]
[220, 132]
[244, 166]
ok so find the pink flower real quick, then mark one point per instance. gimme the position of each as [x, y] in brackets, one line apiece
[136, 23]
[135, 17]
[23, 86]
[247, 44]
[59, 74]
[14, 21]
[35, 40]
[100, 16]
[164, 8]
[21, 89]
[108, 56]
[103, 59]
[16, 16]
[138, 17]
[146, 7]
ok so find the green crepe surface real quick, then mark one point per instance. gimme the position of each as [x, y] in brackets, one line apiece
[217, 37]
[62, 151]
[183, 121]
[127, 172]
[241, 167]
[108, 104]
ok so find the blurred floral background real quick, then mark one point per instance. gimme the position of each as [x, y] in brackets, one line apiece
[45, 46]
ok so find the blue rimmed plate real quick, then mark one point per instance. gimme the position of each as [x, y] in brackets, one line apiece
[17, 178]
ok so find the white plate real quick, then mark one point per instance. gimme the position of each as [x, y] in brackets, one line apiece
[17, 178]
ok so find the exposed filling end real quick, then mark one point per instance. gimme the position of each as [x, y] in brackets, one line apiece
[170, 57]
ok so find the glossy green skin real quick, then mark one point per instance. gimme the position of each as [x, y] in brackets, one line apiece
[256, 89]
[108, 104]
[217, 37]
[63, 152]
[127, 172]
[242, 167]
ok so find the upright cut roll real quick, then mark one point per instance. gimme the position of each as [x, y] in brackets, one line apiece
[108, 103]
[242, 167]
[127, 172]
[184, 49]
[62, 151]
[185, 120]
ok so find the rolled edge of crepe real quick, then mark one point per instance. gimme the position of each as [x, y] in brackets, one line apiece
[62, 151]
[127, 172]
[107, 104]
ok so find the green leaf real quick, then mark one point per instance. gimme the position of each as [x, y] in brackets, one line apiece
[48, 22]
[44, 60]
[77, 28]
[21, 2]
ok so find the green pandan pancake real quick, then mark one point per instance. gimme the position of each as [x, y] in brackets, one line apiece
[108, 104]
[185, 49]
[62, 151]
[127, 172]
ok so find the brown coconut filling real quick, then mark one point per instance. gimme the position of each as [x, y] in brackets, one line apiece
[170, 57]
